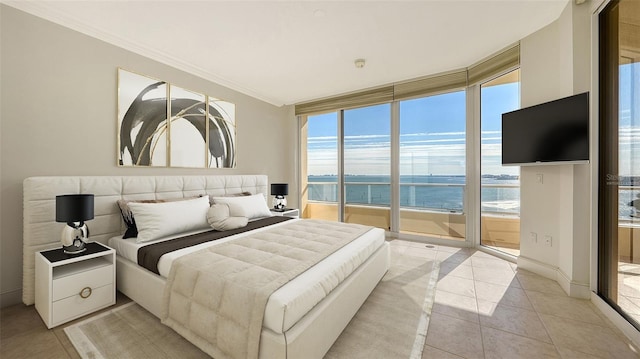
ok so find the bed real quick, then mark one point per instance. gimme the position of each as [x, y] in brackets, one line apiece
[288, 331]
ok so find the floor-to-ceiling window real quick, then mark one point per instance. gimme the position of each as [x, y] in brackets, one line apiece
[350, 147]
[432, 165]
[619, 159]
[321, 176]
[500, 185]
[367, 165]
[394, 156]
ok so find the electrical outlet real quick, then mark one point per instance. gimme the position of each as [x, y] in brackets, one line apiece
[548, 241]
[539, 178]
[534, 237]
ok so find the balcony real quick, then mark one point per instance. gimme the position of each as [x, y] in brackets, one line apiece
[428, 209]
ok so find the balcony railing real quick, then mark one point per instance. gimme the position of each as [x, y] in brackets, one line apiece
[448, 197]
[627, 212]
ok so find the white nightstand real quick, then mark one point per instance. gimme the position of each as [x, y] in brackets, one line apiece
[287, 212]
[70, 286]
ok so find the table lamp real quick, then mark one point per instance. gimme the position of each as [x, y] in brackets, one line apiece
[279, 190]
[74, 209]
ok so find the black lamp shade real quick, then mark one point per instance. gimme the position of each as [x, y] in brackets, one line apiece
[279, 189]
[74, 208]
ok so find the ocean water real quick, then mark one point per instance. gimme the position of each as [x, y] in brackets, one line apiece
[500, 194]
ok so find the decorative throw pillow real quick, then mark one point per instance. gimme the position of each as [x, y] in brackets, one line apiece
[127, 216]
[157, 220]
[219, 218]
[239, 194]
[252, 207]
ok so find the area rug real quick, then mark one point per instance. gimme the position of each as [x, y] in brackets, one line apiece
[392, 323]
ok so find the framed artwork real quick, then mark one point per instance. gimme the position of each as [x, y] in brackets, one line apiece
[142, 114]
[187, 133]
[200, 131]
[222, 134]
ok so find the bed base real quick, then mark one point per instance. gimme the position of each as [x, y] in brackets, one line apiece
[311, 337]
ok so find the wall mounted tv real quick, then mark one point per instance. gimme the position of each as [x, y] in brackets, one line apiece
[555, 132]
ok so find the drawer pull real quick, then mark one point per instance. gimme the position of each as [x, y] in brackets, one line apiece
[85, 292]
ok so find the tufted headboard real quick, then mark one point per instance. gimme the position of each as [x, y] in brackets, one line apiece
[41, 231]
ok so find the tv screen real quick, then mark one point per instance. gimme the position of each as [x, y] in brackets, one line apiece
[552, 132]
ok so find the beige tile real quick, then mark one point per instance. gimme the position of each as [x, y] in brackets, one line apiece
[513, 320]
[456, 270]
[414, 243]
[504, 277]
[458, 250]
[588, 338]
[500, 344]
[402, 262]
[482, 254]
[396, 248]
[533, 282]
[503, 295]
[493, 263]
[455, 336]
[565, 307]
[421, 252]
[454, 258]
[457, 285]
[455, 305]
[430, 352]
[574, 354]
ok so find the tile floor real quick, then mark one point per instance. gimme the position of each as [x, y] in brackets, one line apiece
[484, 308]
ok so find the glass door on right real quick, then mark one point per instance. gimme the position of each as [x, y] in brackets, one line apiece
[619, 159]
[500, 185]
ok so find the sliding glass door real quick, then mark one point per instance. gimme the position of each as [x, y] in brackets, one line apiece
[320, 172]
[499, 185]
[350, 147]
[367, 165]
[432, 165]
[619, 159]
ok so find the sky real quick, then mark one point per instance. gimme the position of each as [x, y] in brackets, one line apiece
[432, 133]
[432, 136]
[629, 120]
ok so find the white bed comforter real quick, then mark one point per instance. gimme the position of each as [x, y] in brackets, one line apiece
[293, 300]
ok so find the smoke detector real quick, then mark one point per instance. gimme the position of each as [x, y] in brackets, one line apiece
[359, 63]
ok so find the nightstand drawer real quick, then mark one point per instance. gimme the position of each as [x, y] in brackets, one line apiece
[76, 306]
[71, 285]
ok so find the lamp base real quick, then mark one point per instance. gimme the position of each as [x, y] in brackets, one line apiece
[75, 248]
[279, 203]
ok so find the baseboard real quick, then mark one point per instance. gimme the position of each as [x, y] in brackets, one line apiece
[625, 327]
[10, 298]
[537, 267]
[572, 288]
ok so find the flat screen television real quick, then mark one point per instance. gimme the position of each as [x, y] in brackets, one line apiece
[555, 132]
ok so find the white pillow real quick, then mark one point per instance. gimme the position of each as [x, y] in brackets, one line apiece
[252, 207]
[157, 220]
[220, 220]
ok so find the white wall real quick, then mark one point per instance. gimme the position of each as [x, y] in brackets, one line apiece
[555, 63]
[58, 117]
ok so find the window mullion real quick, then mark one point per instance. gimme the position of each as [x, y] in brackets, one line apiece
[341, 188]
[395, 167]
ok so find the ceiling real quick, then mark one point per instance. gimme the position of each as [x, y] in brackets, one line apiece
[285, 52]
